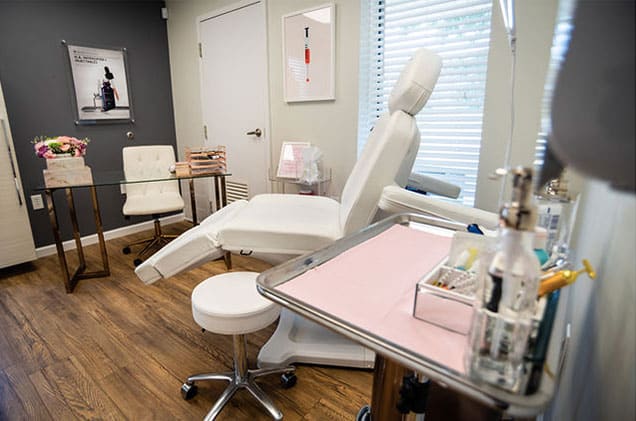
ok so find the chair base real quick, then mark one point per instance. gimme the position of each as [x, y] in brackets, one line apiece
[240, 378]
[157, 241]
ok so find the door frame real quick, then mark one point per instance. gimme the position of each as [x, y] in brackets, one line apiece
[266, 97]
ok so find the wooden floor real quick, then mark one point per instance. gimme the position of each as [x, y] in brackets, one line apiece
[118, 349]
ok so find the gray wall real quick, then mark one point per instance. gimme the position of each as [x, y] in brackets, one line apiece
[33, 71]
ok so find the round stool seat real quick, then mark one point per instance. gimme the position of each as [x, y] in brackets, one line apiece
[230, 304]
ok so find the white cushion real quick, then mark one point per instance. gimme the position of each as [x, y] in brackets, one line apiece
[398, 200]
[158, 202]
[393, 141]
[416, 82]
[229, 304]
[191, 249]
[144, 163]
[283, 223]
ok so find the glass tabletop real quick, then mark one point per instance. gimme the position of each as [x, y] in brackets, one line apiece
[117, 177]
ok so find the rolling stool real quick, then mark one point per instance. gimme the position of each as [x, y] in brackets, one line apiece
[229, 304]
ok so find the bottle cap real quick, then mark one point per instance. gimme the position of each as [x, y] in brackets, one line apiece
[520, 213]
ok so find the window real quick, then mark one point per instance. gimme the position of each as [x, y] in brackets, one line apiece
[560, 43]
[451, 122]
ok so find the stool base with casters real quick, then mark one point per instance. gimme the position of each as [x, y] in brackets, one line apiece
[241, 378]
[158, 240]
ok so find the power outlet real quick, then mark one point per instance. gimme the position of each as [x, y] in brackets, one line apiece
[37, 202]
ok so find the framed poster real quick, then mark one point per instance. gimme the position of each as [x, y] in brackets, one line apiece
[290, 164]
[309, 54]
[100, 84]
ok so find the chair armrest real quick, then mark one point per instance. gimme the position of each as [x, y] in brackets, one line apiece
[421, 183]
[397, 200]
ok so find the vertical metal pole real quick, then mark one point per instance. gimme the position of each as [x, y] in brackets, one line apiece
[217, 193]
[100, 230]
[240, 357]
[387, 380]
[76, 232]
[223, 192]
[193, 202]
[50, 206]
[227, 258]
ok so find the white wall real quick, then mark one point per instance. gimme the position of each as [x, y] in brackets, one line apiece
[535, 21]
[599, 380]
[330, 125]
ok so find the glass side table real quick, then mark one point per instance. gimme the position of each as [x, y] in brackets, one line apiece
[318, 188]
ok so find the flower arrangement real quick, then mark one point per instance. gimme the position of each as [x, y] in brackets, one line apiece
[50, 147]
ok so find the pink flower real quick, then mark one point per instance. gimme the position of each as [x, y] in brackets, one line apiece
[53, 146]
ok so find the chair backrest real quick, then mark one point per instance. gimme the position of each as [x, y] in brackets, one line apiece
[148, 162]
[392, 146]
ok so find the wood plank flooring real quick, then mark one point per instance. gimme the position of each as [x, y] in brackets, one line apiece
[116, 349]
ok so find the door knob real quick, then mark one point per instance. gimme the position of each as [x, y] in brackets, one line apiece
[256, 133]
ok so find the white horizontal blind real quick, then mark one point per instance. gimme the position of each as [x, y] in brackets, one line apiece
[560, 42]
[451, 122]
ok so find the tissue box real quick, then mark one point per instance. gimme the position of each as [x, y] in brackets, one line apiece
[65, 163]
[66, 172]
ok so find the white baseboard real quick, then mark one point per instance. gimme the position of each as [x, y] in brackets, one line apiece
[109, 235]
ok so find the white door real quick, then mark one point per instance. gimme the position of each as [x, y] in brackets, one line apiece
[234, 92]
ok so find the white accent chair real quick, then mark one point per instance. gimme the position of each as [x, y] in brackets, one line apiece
[275, 227]
[156, 198]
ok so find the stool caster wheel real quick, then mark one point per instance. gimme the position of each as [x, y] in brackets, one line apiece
[188, 391]
[288, 380]
[126, 250]
[364, 414]
[137, 262]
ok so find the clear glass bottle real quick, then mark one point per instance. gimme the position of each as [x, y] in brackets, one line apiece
[507, 294]
[556, 213]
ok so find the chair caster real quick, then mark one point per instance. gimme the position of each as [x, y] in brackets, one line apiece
[188, 391]
[288, 380]
[126, 250]
[364, 414]
[137, 262]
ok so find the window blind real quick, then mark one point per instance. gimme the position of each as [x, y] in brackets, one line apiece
[451, 122]
[560, 42]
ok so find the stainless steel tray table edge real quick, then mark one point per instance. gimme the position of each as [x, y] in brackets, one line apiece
[511, 403]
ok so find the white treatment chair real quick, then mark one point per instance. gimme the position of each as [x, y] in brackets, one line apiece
[275, 227]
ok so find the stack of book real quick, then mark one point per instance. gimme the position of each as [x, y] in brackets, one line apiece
[206, 160]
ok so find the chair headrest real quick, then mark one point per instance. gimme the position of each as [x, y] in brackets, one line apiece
[416, 82]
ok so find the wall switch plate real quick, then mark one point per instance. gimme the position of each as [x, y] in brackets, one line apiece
[37, 202]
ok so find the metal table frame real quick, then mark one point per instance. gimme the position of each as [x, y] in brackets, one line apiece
[393, 360]
[111, 178]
